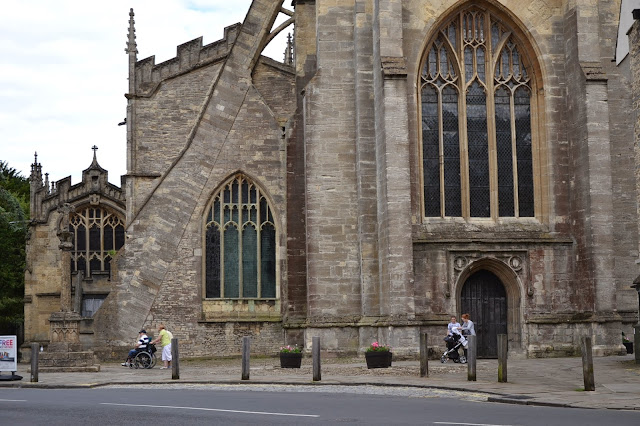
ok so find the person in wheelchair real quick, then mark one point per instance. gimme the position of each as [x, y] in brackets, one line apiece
[141, 345]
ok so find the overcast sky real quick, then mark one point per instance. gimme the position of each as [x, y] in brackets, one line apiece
[63, 73]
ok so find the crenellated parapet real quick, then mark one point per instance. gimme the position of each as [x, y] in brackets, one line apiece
[191, 55]
[94, 189]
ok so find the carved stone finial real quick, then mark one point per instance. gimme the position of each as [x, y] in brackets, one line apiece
[132, 51]
[36, 173]
[288, 52]
[131, 48]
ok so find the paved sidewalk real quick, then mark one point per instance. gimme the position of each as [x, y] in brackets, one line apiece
[551, 382]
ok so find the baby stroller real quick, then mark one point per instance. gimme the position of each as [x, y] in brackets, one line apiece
[454, 341]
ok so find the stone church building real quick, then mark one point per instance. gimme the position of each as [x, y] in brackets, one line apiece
[409, 160]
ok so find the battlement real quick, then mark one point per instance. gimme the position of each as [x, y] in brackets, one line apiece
[190, 55]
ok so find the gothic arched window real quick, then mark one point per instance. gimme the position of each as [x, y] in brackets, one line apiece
[240, 243]
[97, 235]
[476, 105]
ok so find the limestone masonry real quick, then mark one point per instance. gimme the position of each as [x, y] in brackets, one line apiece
[406, 162]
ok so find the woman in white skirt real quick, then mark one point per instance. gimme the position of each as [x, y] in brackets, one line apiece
[164, 337]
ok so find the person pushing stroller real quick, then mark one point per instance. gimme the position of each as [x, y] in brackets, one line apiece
[454, 340]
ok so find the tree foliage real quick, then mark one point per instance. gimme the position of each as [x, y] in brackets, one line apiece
[14, 215]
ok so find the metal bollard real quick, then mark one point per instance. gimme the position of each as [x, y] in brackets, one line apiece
[246, 349]
[502, 358]
[424, 355]
[316, 358]
[34, 362]
[587, 364]
[471, 358]
[175, 359]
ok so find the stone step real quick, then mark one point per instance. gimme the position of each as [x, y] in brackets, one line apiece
[62, 369]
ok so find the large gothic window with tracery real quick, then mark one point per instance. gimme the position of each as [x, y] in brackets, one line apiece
[240, 243]
[476, 106]
[97, 234]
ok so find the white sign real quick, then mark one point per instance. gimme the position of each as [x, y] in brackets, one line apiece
[8, 358]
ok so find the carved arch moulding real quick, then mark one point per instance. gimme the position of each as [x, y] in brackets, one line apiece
[511, 266]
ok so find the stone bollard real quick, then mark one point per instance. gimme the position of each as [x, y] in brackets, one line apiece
[246, 349]
[424, 355]
[502, 358]
[175, 359]
[34, 362]
[315, 348]
[471, 358]
[587, 364]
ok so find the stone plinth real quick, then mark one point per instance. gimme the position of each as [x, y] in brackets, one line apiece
[64, 353]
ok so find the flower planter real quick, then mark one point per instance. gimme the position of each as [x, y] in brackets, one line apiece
[290, 359]
[378, 359]
[629, 346]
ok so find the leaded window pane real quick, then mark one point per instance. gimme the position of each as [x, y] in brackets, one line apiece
[94, 238]
[479, 192]
[119, 236]
[268, 260]
[212, 253]
[231, 267]
[249, 262]
[80, 238]
[505, 152]
[108, 237]
[523, 148]
[468, 63]
[95, 265]
[431, 150]
[451, 148]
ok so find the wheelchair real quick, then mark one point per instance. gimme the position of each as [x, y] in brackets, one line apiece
[145, 358]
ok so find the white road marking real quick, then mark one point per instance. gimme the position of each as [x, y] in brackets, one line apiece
[213, 409]
[13, 400]
[467, 424]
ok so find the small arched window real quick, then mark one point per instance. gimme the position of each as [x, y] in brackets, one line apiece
[476, 113]
[97, 234]
[240, 243]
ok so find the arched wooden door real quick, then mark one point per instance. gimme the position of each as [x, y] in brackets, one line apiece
[485, 300]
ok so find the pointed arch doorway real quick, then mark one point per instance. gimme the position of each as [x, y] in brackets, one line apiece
[484, 298]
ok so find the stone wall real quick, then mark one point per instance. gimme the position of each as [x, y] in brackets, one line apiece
[160, 277]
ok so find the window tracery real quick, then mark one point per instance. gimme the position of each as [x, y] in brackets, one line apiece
[476, 96]
[240, 243]
[97, 234]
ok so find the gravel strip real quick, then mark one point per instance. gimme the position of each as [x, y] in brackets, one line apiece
[409, 392]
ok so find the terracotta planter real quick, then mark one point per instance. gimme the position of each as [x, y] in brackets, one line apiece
[381, 359]
[290, 359]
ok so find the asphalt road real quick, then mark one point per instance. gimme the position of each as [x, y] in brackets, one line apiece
[238, 405]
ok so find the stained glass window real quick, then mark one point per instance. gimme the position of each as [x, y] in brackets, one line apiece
[240, 243]
[97, 233]
[477, 154]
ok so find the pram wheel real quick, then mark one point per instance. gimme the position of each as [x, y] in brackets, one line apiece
[463, 359]
[444, 359]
